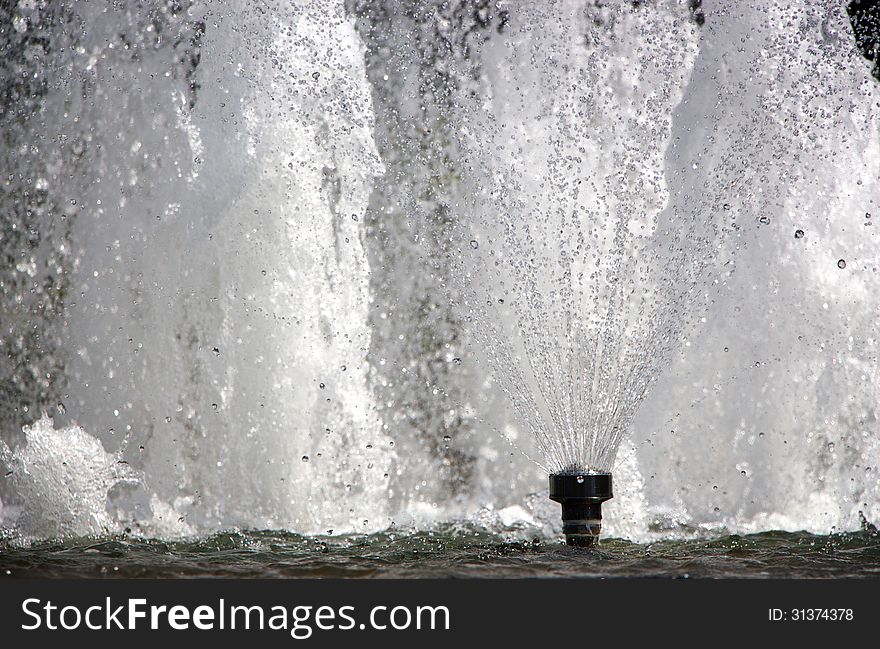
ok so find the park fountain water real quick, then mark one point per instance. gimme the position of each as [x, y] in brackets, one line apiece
[584, 269]
[294, 265]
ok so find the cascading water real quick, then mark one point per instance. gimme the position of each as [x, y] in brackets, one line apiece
[217, 299]
[321, 266]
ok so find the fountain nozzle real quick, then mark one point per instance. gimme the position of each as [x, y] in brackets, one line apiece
[581, 496]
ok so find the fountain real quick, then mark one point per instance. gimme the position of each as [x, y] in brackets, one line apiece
[580, 261]
[344, 267]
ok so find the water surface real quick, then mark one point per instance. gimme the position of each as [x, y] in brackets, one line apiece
[456, 552]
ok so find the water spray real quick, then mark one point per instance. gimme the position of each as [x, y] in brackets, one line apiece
[581, 496]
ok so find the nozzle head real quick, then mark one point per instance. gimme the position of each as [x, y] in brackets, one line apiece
[581, 496]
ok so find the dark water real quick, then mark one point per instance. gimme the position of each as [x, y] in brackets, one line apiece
[451, 552]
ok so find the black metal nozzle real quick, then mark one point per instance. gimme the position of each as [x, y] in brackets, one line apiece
[581, 496]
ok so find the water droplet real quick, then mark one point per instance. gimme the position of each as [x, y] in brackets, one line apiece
[798, 234]
[474, 244]
[726, 206]
[764, 220]
[216, 351]
[305, 458]
[321, 385]
[841, 263]
[167, 420]
[580, 479]
[214, 406]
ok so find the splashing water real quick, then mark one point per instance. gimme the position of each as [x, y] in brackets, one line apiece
[370, 235]
[63, 478]
[217, 303]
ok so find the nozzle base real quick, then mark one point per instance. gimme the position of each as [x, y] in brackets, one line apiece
[581, 497]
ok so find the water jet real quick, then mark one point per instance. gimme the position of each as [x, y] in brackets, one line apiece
[581, 496]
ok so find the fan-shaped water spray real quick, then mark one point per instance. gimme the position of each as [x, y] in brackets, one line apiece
[578, 262]
[580, 271]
